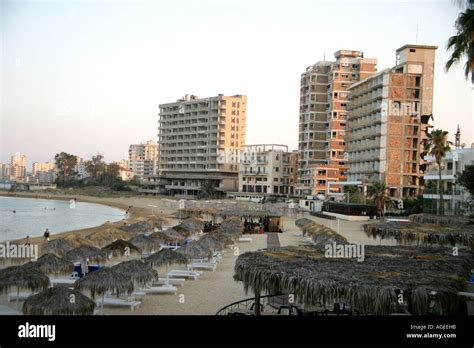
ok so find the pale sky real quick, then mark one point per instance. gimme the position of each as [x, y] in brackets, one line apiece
[87, 76]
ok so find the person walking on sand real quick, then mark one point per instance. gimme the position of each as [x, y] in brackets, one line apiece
[46, 235]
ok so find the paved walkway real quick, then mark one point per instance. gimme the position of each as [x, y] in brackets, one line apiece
[273, 241]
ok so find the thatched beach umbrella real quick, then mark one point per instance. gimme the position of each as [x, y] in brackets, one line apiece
[77, 240]
[193, 225]
[145, 243]
[303, 222]
[120, 248]
[177, 234]
[105, 280]
[166, 257]
[232, 226]
[137, 228]
[210, 242]
[224, 238]
[59, 300]
[370, 287]
[58, 247]
[139, 272]
[164, 238]
[22, 277]
[51, 264]
[194, 250]
[85, 252]
[102, 238]
[423, 233]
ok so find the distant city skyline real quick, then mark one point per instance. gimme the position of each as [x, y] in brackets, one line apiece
[87, 77]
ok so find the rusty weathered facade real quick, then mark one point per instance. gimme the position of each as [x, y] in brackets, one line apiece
[323, 120]
[388, 120]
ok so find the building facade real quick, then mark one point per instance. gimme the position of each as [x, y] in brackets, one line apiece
[143, 159]
[125, 173]
[199, 142]
[18, 166]
[388, 122]
[43, 172]
[456, 198]
[268, 169]
[322, 121]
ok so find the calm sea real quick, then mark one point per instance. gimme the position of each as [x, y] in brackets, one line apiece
[32, 216]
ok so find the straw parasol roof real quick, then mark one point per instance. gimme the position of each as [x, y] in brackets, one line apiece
[157, 220]
[303, 222]
[136, 270]
[370, 287]
[22, 278]
[104, 280]
[138, 227]
[224, 238]
[164, 238]
[57, 301]
[120, 247]
[320, 234]
[193, 225]
[166, 257]
[208, 241]
[77, 240]
[175, 234]
[424, 233]
[444, 220]
[104, 237]
[58, 247]
[50, 263]
[145, 243]
[232, 227]
[195, 250]
[85, 252]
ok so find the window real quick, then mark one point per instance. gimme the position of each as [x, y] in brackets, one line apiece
[412, 50]
[450, 165]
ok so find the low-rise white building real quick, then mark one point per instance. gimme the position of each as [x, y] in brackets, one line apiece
[269, 169]
[456, 198]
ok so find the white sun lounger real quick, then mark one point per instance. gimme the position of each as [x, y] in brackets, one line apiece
[4, 310]
[164, 289]
[183, 274]
[245, 239]
[64, 280]
[22, 296]
[202, 265]
[172, 247]
[118, 302]
[171, 281]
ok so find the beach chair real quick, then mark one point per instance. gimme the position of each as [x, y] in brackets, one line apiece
[64, 280]
[118, 302]
[22, 296]
[164, 289]
[172, 247]
[202, 265]
[177, 273]
[170, 281]
[4, 310]
[245, 239]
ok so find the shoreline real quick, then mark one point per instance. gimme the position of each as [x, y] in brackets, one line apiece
[137, 211]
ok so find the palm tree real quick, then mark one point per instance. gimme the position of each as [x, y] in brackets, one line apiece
[462, 44]
[438, 145]
[378, 192]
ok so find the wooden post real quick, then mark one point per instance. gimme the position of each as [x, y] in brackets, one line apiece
[257, 303]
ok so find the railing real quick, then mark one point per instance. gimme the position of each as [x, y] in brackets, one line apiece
[269, 304]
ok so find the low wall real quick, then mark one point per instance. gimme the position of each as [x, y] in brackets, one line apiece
[347, 217]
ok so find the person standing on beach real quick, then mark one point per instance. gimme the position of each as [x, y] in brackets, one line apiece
[46, 235]
[27, 241]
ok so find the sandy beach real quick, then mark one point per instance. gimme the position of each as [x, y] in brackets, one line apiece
[213, 290]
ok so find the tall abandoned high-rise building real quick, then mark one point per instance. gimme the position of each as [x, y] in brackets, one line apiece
[322, 121]
[388, 120]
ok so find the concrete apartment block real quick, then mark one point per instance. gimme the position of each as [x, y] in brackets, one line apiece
[268, 169]
[322, 124]
[388, 121]
[199, 140]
